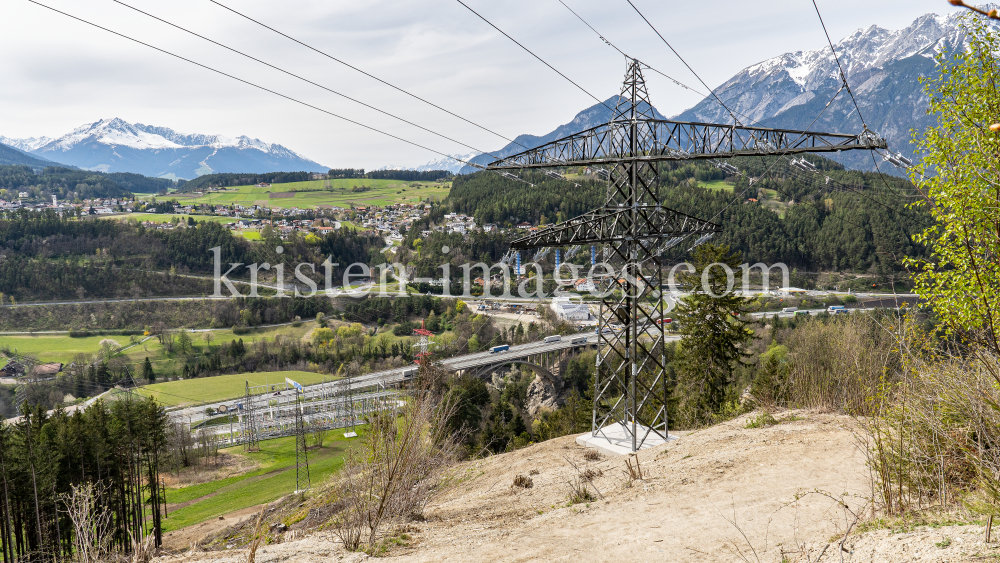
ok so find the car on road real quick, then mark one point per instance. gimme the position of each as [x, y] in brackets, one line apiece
[581, 340]
[550, 339]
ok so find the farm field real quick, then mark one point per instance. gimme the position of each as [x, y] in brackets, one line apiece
[273, 478]
[314, 193]
[717, 185]
[55, 347]
[169, 217]
[221, 387]
[63, 348]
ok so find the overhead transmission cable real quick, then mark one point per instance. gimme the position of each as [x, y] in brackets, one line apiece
[292, 74]
[249, 83]
[530, 52]
[285, 96]
[731, 113]
[508, 175]
[843, 76]
[615, 47]
[844, 85]
[372, 76]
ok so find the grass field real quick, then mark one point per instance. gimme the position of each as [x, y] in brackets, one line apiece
[717, 185]
[56, 347]
[273, 478]
[314, 193]
[220, 387]
[167, 218]
[62, 348]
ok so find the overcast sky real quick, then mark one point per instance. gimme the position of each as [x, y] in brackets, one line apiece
[58, 74]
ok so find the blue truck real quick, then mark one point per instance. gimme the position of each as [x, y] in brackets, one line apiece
[500, 348]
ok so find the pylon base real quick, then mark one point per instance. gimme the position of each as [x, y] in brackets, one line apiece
[615, 439]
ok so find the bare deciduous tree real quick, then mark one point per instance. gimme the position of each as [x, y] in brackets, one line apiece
[91, 523]
[398, 467]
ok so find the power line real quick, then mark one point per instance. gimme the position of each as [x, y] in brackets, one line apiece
[612, 45]
[533, 54]
[767, 170]
[332, 91]
[348, 65]
[683, 61]
[843, 75]
[615, 47]
[313, 83]
[259, 87]
[733, 115]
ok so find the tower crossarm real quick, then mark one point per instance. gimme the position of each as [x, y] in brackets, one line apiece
[616, 224]
[662, 140]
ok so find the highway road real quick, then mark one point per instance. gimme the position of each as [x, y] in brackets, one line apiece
[388, 378]
[197, 414]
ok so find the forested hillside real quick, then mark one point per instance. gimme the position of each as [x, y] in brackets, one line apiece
[44, 256]
[857, 221]
[72, 184]
[12, 156]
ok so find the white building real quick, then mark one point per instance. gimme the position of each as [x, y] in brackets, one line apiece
[567, 310]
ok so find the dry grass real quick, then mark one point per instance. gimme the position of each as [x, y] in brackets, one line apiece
[523, 482]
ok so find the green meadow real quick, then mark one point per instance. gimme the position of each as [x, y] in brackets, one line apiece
[273, 478]
[221, 387]
[314, 193]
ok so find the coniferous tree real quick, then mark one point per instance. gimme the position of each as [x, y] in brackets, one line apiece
[147, 371]
[716, 333]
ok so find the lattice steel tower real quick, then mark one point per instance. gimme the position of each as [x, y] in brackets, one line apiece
[251, 440]
[634, 227]
[301, 456]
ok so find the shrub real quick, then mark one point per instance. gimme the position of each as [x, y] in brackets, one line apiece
[762, 420]
[404, 329]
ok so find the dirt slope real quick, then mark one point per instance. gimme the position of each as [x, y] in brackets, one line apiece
[725, 493]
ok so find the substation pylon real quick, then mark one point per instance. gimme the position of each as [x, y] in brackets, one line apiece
[630, 385]
[251, 440]
[301, 456]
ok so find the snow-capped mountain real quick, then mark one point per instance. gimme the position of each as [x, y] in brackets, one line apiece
[593, 116]
[883, 68]
[26, 145]
[114, 145]
[452, 165]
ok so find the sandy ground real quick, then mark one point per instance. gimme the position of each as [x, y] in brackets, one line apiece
[183, 539]
[726, 493]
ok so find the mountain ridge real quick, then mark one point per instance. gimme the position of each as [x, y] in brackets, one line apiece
[790, 90]
[115, 145]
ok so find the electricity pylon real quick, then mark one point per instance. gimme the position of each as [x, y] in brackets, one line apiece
[301, 456]
[251, 442]
[630, 385]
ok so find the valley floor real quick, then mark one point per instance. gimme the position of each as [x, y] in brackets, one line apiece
[725, 493]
